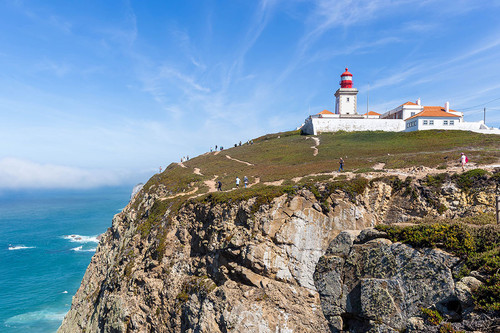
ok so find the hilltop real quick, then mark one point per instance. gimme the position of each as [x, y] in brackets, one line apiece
[289, 158]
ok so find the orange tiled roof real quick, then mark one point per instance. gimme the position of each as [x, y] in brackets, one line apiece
[372, 113]
[433, 111]
[409, 103]
[436, 108]
[325, 112]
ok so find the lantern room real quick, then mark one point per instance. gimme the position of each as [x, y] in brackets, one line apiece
[346, 79]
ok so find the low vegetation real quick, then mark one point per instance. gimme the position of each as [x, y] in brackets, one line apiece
[288, 155]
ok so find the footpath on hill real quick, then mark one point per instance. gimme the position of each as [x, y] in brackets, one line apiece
[288, 158]
[414, 172]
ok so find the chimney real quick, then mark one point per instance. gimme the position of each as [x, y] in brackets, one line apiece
[418, 101]
[447, 106]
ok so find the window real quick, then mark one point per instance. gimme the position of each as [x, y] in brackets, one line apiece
[347, 99]
[431, 122]
[445, 122]
[425, 122]
[412, 114]
[452, 122]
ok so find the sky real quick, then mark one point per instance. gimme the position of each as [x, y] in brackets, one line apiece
[96, 93]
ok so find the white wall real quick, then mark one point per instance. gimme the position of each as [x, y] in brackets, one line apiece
[319, 125]
[332, 123]
[438, 124]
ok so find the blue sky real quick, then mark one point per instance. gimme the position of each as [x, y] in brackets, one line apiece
[104, 92]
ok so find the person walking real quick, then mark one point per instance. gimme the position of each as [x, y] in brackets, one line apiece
[237, 182]
[219, 186]
[341, 163]
[463, 160]
[245, 181]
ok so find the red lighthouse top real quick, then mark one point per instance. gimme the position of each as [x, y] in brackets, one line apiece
[346, 79]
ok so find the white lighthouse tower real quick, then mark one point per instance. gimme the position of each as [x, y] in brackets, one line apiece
[346, 96]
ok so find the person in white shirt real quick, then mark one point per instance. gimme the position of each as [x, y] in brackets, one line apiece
[463, 160]
[237, 182]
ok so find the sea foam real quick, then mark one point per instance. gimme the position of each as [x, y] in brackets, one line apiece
[20, 247]
[30, 317]
[82, 239]
[80, 248]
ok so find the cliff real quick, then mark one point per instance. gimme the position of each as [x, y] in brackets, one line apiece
[246, 261]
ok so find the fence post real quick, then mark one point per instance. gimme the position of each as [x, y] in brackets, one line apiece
[498, 209]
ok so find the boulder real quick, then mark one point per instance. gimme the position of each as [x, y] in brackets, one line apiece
[371, 284]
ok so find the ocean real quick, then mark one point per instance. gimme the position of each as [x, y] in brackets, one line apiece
[47, 239]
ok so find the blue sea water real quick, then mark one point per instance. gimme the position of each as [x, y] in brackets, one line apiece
[47, 239]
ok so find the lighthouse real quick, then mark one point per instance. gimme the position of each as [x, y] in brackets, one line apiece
[346, 96]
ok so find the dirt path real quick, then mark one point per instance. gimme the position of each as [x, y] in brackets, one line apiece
[275, 183]
[193, 191]
[211, 184]
[316, 144]
[182, 165]
[257, 180]
[233, 159]
[415, 172]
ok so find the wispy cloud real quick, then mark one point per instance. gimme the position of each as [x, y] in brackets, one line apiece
[58, 69]
[259, 21]
[18, 173]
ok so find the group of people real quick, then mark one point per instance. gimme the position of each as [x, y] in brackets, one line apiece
[184, 158]
[249, 142]
[221, 148]
[238, 181]
[245, 181]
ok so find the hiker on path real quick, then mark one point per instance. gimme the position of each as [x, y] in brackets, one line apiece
[463, 161]
[219, 186]
[341, 163]
[245, 181]
[237, 182]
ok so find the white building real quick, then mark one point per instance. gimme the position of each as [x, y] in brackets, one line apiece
[406, 117]
[432, 117]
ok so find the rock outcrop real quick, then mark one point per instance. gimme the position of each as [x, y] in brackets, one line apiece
[245, 266]
[367, 283]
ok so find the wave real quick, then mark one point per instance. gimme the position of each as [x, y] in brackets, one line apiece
[20, 247]
[80, 248]
[82, 239]
[29, 317]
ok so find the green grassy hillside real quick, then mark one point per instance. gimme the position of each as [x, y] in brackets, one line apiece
[284, 156]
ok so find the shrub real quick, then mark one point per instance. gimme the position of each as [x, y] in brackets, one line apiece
[452, 237]
[466, 180]
[487, 296]
[432, 316]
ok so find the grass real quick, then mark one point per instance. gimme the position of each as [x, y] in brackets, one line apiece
[283, 156]
[291, 155]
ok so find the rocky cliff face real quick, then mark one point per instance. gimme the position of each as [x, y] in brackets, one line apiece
[369, 284]
[249, 267]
